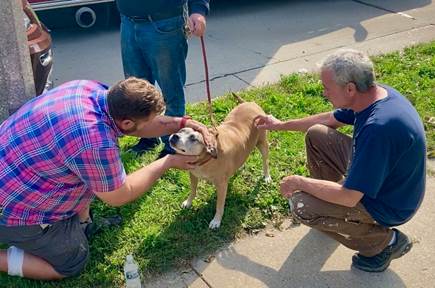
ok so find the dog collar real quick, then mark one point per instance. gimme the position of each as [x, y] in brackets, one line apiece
[203, 161]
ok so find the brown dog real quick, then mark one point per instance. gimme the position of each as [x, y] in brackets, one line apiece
[236, 138]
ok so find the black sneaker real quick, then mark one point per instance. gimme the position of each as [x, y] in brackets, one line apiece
[95, 226]
[145, 145]
[381, 261]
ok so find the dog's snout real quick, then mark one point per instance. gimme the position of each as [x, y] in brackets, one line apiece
[174, 139]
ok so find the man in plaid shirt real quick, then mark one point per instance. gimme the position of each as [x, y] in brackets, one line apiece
[58, 152]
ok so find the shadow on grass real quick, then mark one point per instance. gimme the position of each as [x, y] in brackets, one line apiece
[188, 234]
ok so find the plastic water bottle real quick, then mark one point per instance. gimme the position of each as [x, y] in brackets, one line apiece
[131, 273]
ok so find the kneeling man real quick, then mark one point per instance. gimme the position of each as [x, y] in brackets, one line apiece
[362, 186]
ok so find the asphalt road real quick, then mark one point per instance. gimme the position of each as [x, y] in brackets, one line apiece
[250, 43]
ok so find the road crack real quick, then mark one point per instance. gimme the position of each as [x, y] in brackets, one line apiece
[200, 276]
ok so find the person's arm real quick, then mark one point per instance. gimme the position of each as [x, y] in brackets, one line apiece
[328, 191]
[165, 125]
[140, 181]
[161, 125]
[271, 123]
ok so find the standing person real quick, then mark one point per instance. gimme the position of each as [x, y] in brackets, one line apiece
[58, 152]
[154, 47]
[358, 202]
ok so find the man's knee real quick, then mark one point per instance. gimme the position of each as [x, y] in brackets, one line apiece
[316, 134]
[74, 262]
[303, 208]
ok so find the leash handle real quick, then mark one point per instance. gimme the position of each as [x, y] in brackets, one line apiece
[207, 83]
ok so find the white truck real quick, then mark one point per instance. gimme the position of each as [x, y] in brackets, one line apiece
[85, 11]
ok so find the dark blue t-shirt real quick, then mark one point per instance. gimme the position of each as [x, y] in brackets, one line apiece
[388, 158]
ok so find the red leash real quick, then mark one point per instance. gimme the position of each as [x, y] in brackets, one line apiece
[207, 83]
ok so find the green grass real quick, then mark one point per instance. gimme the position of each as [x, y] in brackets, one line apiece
[163, 236]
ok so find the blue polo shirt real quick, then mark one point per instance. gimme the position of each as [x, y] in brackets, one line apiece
[388, 161]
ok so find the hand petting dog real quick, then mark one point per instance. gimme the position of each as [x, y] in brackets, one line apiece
[209, 138]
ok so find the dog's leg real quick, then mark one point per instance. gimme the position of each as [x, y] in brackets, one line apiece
[221, 187]
[263, 146]
[193, 185]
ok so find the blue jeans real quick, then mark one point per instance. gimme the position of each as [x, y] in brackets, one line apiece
[157, 51]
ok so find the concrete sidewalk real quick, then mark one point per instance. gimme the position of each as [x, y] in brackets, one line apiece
[250, 47]
[302, 257]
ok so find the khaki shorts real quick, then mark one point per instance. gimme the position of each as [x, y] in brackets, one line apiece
[62, 244]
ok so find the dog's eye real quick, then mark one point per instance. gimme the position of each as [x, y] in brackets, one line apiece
[192, 138]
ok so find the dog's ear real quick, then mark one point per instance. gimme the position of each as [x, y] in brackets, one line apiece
[212, 151]
[213, 131]
[212, 147]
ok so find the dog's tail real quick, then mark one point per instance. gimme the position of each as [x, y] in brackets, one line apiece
[238, 98]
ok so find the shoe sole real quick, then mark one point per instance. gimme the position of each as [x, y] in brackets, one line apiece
[400, 252]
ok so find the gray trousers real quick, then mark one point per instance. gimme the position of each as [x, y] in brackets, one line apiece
[328, 153]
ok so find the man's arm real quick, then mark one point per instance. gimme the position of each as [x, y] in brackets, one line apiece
[271, 123]
[140, 181]
[304, 124]
[166, 125]
[161, 125]
[325, 190]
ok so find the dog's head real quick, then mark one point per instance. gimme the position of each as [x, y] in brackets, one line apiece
[189, 142]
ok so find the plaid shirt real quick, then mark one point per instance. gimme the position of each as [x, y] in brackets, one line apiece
[55, 151]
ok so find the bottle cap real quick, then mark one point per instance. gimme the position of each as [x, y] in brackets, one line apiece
[129, 258]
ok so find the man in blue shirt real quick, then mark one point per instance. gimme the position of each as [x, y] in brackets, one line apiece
[364, 185]
[154, 48]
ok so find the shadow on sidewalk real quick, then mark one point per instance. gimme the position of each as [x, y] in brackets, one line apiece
[303, 267]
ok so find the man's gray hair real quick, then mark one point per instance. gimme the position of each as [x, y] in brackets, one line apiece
[350, 65]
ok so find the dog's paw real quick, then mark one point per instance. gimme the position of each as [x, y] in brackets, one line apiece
[186, 204]
[214, 224]
[267, 179]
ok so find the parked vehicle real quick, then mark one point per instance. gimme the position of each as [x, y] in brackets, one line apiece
[39, 42]
[86, 13]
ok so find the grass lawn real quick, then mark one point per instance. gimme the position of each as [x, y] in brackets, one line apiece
[162, 236]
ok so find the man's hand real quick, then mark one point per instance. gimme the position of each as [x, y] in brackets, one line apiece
[180, 161]
[267, 122]
[197, 24]
[209, 138]
[289, 185]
